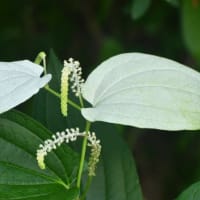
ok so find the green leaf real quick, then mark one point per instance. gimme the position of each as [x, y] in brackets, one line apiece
[116, 177]
[19, 81]
[190, 24]
[21, 177]
[110, 47]
[173, 2]
[144, 91]
[104, 7]
[139, 7]
[191, 193]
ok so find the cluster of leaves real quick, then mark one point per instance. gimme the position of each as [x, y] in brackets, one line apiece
[39, 25]
[121, 90]
[20, 137]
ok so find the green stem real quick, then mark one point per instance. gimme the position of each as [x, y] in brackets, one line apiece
[45, 65]
[58, 95]
[88, 183]
[81, 101]
[40, 57]
[83, 152]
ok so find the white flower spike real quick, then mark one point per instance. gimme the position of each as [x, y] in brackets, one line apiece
[70, 135]
[75, 75]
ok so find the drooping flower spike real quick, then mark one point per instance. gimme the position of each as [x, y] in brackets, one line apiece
[94, 154]
[70, 135]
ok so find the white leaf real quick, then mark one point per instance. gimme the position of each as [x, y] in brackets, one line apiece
[18, 82]
[144, 91]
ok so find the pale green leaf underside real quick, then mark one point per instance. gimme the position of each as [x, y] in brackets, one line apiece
[18, 82]
[144, 91]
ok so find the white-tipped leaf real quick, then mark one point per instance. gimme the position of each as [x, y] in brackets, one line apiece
[145, 91]
[18, 82]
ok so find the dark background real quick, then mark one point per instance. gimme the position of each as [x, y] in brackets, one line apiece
[92, 31]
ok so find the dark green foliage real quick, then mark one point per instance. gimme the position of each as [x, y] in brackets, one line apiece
[191, 29]
[174, 2]
[191, 193]
[139, 7]
[116, 175]
[91, 31]
[21, 177]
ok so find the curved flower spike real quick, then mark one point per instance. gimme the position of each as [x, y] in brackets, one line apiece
[70, 135]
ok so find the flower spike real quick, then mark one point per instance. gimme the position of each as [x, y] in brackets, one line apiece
[71, 71]
[64, 90]
[70, 135]
[75, 75]
[94, 154]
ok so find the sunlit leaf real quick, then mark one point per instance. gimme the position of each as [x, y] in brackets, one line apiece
[18, 82]
[144, 91]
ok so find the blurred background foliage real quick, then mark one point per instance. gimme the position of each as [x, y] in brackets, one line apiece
[92, 31]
